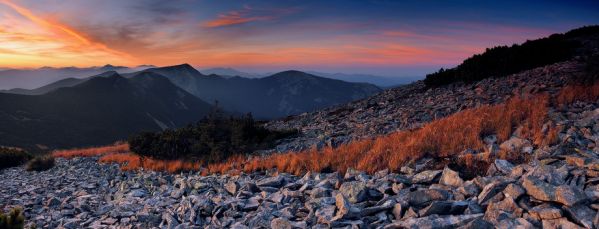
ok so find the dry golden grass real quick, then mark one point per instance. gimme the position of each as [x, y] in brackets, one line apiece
[131, 161]
[443, 138]
[94, 151]
[586, 93]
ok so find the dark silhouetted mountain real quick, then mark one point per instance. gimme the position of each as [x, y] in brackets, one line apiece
[279, 95]
[34, 78]
[97, 111]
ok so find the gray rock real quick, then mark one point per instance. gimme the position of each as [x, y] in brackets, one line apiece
[275, 182]
[567, 195]
[232, 187]
[52, 202]
[354, 191]
[581, 214]
[490, 190]
[422, 198]
[426, 177]
[546, 211]
[443, 208]
[503, 166]
[514, 191]
[280, 223]
[451, 178]
[435, 221]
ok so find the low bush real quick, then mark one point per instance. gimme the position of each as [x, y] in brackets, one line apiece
[13, 220]
[40, 163]
[212, 139]
[11, 157]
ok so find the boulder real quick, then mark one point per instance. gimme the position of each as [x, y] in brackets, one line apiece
[451, 178]
[581, 214]
[564, 194]
[545, 211]
[232, 187]
[423, 197]
[490, 190]
[354, 191]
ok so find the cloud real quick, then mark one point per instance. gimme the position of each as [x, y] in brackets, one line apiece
[246, 15]
[33, 39]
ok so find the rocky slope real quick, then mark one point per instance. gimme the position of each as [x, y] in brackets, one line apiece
[413, 105]
[559, 188]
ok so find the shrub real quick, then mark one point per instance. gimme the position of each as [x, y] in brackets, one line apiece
[11, 157]
[212, 139]
[503, 60]
[13, 220]
[40, 163]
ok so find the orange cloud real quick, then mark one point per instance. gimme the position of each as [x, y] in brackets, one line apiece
[49, 39]
[234, 18]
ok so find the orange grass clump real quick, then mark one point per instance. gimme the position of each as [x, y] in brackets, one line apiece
[442, 138]
[131, 161]
[90, 152]
[586, 93]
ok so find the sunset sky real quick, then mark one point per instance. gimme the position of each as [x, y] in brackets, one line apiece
[393, 38]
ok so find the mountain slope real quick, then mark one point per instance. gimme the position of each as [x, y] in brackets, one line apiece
[98, 111]
[282, 94]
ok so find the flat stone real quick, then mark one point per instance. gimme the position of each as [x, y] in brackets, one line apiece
[567, 195]
[422, 198]
[426, 177]
[435, 221]
[275, 182]
[490, 190]
[503, 166]
[444, 208]
[546, 211]
[514, 191]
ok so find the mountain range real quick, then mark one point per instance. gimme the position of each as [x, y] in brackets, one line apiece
[381, 81]
[110, 106]
[34, 78]
[278, 95]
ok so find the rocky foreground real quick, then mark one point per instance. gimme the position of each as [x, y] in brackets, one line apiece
[558, 188]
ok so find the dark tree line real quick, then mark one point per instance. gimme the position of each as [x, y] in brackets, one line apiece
[212, 139]
[504, 60]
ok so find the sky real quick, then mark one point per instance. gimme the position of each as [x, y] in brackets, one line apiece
[383, 37]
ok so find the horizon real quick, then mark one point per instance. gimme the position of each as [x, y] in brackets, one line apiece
[376, 37]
